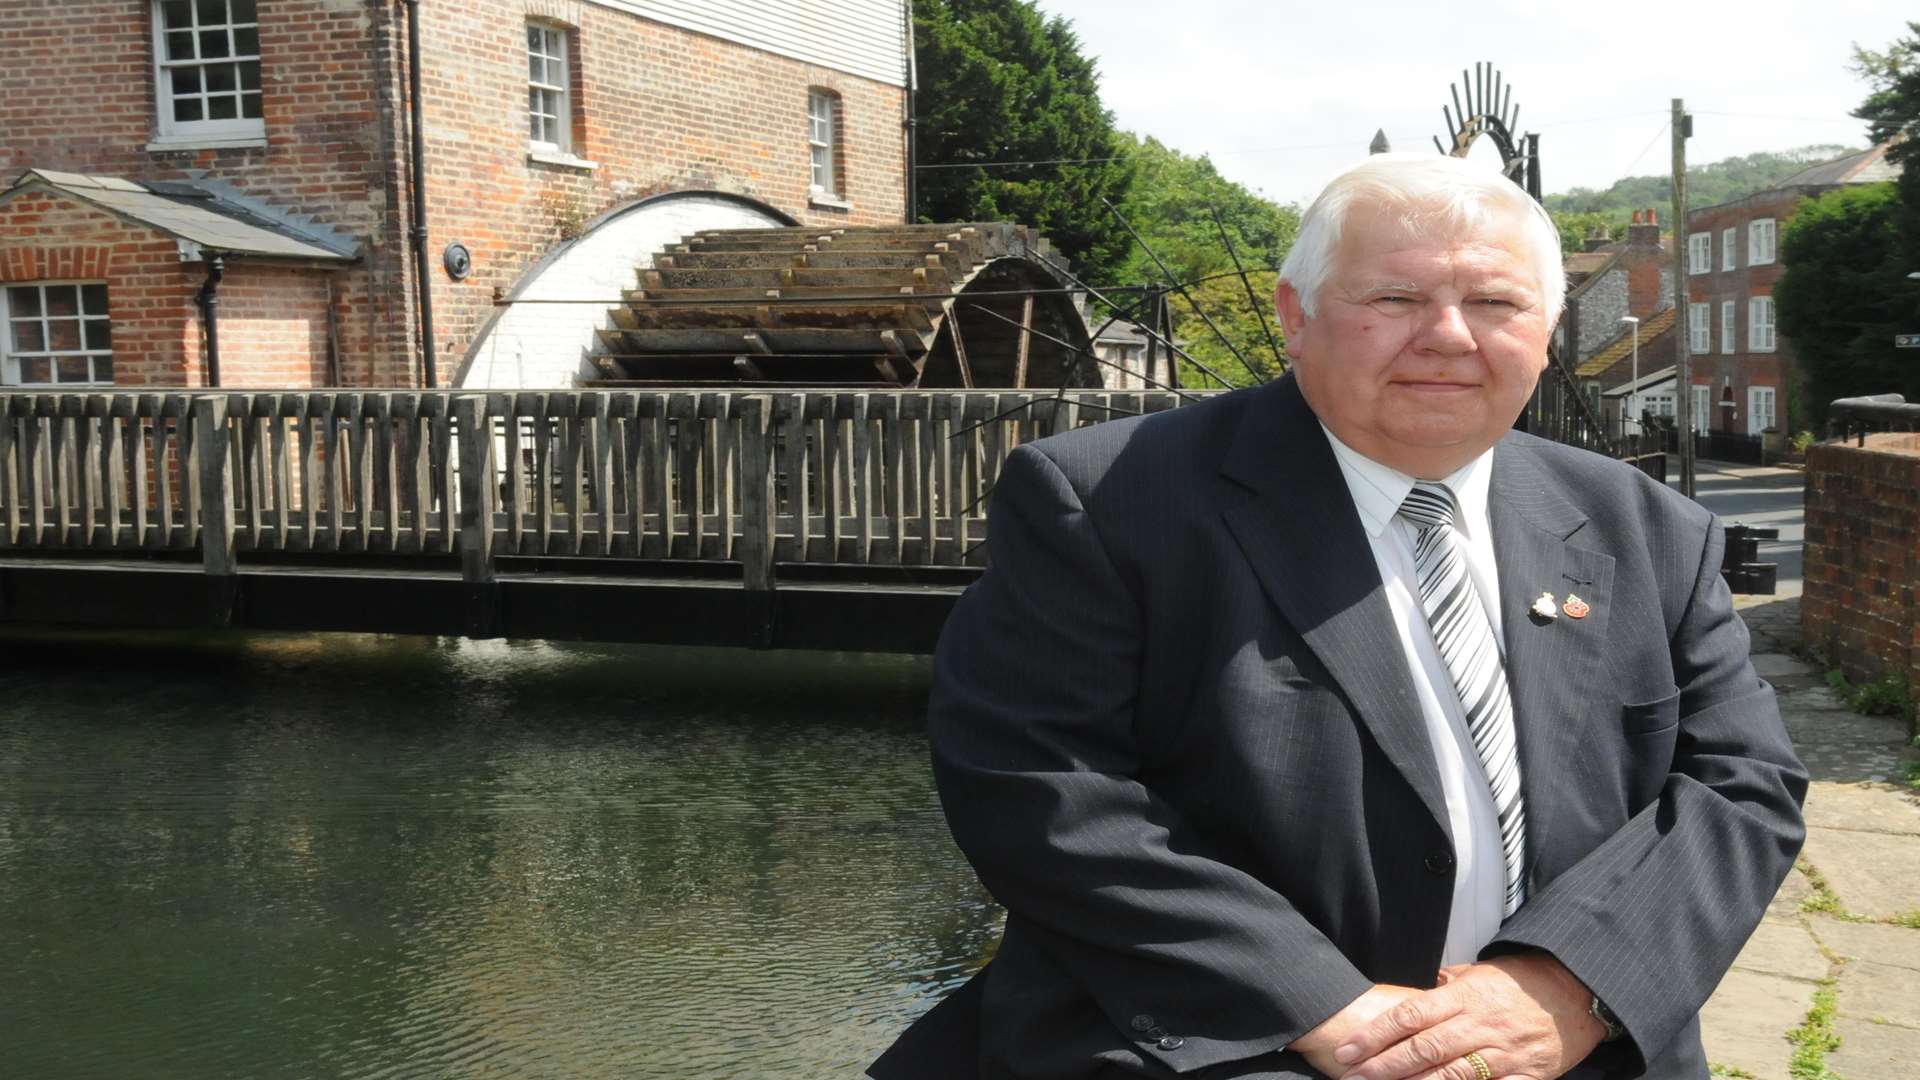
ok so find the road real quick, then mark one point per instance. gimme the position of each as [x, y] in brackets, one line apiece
[1765, 497]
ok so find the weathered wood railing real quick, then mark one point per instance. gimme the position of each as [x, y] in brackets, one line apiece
[882, 478]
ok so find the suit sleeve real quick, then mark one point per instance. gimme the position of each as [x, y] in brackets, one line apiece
[1032, 728]
[1653, 918]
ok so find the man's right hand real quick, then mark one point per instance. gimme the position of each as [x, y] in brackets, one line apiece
[1318, 1045]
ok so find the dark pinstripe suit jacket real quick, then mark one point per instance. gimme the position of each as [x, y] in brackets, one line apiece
[1174, 731]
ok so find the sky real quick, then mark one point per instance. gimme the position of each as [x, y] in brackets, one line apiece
[1283, 95]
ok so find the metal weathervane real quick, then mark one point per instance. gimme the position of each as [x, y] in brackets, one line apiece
[1488, 109]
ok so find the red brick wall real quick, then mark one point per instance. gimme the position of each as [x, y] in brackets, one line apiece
[657, 109]
[273, 327]
[77, 95]
[1861, 603]
[1743, 367]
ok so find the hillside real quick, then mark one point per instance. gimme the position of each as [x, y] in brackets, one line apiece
[1707, 185]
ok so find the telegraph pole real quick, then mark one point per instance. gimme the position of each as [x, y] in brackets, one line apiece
[1682, 308]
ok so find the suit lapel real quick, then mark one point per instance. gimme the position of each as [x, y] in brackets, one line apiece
[1553, 665]
[1307, 547]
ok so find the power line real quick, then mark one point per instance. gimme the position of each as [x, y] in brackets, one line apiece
[1628, 171]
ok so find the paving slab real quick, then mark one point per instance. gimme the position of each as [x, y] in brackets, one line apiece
[1745, 1022]
[1783, 947]
[1842, 746]
[1870, 1051]
[1881, 993]
[1874, 874]
[1793, 891]
[1880, 808]
[1895, 946]
[1774, 666]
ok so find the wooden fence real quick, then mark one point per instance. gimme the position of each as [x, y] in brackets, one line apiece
[878, 478]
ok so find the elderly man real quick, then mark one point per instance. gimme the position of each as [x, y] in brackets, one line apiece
[1333, 729]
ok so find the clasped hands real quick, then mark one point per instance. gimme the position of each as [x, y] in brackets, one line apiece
[1525, 1015]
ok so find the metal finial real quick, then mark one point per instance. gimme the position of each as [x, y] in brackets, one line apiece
[1379, 145]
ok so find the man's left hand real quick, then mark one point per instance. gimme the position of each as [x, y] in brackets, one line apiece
[1525, 1015]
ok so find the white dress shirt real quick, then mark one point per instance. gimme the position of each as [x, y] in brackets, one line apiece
[1479, 882]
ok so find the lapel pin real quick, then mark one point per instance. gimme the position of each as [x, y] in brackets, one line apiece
[1576, 608]
[1544, 608]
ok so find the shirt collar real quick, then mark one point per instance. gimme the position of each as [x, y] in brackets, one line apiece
[1379, 490]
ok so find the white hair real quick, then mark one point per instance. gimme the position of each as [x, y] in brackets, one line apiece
[1430, 195]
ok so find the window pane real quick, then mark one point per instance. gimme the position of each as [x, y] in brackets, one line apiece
[250, 106]
[213, 44]
[36, 370]
[223, 108]
[28, 337]
[99, 335]
[24, 300]
[222, 79]
[536, 68]
[180, 46]
[63, 300]
[176, 14]
[186, 80]
[533, 39]
[246, 42]
[243, 11]
[250, 75]
[75, 369]
[93, 299]
[103, 369]
[188, 109]
[212, 12]
[64, 335]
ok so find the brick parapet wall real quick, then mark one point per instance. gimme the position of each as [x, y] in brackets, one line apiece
[1861, 605]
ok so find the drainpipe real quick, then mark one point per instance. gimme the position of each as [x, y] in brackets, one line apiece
[333, 333]
[419, 231]
[913, 122]
[209, 300]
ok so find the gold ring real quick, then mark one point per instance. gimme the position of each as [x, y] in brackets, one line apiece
[1480, 1069]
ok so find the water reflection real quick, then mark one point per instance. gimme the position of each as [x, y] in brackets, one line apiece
[390, 857]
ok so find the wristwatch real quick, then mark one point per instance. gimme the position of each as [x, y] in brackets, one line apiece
[1605, 1015]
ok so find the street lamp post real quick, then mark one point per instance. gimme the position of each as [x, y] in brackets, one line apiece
[1633, 395]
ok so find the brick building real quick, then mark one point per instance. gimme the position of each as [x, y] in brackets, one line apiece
[1607, 283]
[1742, 369]
[157, 151]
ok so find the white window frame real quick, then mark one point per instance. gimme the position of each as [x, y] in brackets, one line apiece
[1726, 325]
[240, 128]
[10, 360]
[1727, 261]
[1699, 253]
[1760, 334]
[1699, 328]
[823, 143]
[552, 51]
[1761, 237]
[1702, 404]
[1755, 396]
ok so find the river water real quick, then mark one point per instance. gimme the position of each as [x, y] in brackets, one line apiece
[349, 856]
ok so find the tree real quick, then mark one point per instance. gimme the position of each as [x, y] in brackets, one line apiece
[1892, 110]
[1172, 206]
[1576, 227]
[1012, 128]
[1707, 185]
[1843, 295]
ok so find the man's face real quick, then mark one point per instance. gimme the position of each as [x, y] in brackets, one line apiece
[1423, 351]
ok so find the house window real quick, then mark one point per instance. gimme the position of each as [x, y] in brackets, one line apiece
[1726, 249]
[55, 334]
[1699, 329]
[207, 66]
[823, 140]
[1760, 236]
[1760, 415]
[1726, 326]
[1760, 324]
[1699, 253]
[1702, 419]
[549, 110]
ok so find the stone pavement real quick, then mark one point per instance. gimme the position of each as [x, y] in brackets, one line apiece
[1846, 925]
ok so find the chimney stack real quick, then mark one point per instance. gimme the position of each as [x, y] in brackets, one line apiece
[1645, 230]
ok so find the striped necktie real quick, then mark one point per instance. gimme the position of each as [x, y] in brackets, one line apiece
[1465, 639]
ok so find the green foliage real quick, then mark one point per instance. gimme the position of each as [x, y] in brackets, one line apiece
[1844, 295]
[1707, 185]
[1172, 204]
[1803, 439]
[1887, 697]
[1575, 227]
[1815, 1038]
[1733, 1071]
[1000, 82]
